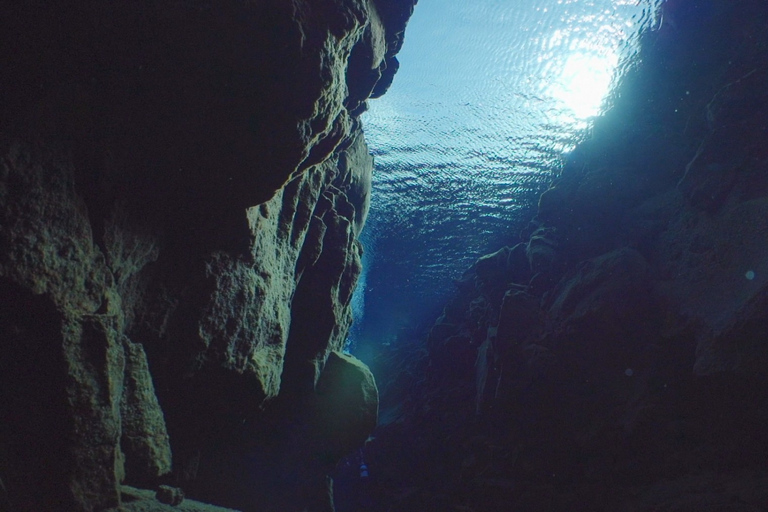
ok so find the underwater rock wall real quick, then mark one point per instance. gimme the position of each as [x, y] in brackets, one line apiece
[614, 358]
[181, 190]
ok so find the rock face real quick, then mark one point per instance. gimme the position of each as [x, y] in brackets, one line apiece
[182, 185]
[614, 358]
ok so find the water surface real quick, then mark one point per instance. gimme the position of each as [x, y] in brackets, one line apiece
[489, 95]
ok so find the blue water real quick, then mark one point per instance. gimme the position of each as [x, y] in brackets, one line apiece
[489, 95]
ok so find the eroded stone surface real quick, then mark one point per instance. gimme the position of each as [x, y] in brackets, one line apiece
[181, 190]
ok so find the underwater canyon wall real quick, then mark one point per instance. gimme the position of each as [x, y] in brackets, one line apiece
[614, 357]
[182, 186]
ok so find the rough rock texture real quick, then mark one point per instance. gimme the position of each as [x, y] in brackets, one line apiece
[615, 358]
[182, 185]
[144, 439]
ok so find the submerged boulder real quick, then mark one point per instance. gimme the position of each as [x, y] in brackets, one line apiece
[346, 406]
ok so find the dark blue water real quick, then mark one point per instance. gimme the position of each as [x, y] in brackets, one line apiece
[489, 96]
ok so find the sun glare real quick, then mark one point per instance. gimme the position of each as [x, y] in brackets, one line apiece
[584, 82]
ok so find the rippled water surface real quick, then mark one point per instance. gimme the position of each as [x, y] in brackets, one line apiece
[489, 94]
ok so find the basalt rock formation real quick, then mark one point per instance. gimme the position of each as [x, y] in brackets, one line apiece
[615, 358]
[182, 185]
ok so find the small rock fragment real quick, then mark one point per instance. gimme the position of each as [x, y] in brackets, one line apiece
[169, 495]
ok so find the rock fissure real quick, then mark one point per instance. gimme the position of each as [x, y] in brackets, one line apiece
[613, 357]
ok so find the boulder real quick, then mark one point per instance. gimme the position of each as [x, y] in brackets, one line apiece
[346, 406]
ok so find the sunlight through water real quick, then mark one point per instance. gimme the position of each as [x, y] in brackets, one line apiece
[584, 83]
[489, 95]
